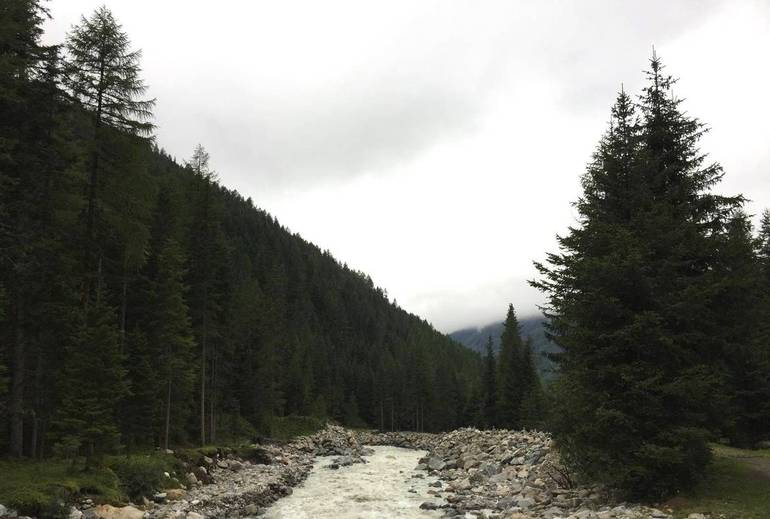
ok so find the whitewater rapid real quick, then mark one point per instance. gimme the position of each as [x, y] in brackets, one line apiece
[384, 487]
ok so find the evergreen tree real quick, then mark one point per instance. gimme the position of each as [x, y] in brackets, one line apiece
[272, 312]
[102, 73]
[632, 302]
[92, 385]
[141, 409]
[510, 375]
[532, 408]
[32, 157]
[745, 316]
[172, 336]
[205, 275]
[489, 396]
[3, 369]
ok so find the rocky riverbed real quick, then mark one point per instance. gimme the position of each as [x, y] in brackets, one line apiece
[465, 473]
[514, 475]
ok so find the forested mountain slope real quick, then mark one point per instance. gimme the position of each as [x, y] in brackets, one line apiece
[532, 328]
[143, 303]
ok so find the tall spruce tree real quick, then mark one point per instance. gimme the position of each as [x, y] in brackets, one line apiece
[509, 375]
[172, 336]
[632, 303]
[92, 385]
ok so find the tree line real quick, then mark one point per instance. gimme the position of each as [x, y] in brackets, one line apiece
[660, 299]
[143, 304]
[512, 396]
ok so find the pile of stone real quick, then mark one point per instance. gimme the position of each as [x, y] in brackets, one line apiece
[230, 487]
[515, 474]
[333, 440]
[240, 488]
[407, 440]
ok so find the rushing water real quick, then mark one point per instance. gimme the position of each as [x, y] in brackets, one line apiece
[378, 489]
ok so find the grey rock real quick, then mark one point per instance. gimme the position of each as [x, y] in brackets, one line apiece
[192, 479]
[525, 503]
[435, 463]
[489, 469]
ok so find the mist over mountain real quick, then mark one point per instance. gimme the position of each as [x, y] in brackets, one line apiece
[532, 327]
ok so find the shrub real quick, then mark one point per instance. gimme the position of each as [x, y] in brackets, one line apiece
[141, 475]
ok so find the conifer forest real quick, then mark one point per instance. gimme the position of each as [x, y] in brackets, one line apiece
[145, 306]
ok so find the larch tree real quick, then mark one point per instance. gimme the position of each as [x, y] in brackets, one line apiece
[103, 75]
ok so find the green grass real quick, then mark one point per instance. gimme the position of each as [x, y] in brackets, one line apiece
[734, 488]
[37, 487]
[42, 488]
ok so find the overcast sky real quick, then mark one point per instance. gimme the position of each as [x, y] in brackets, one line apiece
[437, 145]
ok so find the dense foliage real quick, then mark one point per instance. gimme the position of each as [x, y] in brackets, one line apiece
[512, 396]
[144, 304]
[658, 299]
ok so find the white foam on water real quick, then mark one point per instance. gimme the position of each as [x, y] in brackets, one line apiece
[378, 489]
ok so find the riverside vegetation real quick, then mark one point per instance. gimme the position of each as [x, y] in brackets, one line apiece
[465, 473]
[144, 306]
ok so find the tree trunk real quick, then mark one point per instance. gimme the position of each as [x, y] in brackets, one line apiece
[203, 366]
[17, 386]
[168, 415]
[37, 406]
[123, 305]
[92, 183]
[212, 385]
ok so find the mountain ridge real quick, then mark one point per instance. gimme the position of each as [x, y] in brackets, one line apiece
[532, 327]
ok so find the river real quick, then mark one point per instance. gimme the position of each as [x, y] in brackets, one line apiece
[384, 487]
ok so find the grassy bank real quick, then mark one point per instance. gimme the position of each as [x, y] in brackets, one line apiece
[736, 486]
[44, 488]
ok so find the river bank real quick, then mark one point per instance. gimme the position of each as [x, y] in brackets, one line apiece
[463, 473]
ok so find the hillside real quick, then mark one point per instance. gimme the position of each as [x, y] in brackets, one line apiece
[531, 327]
[142, 303]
